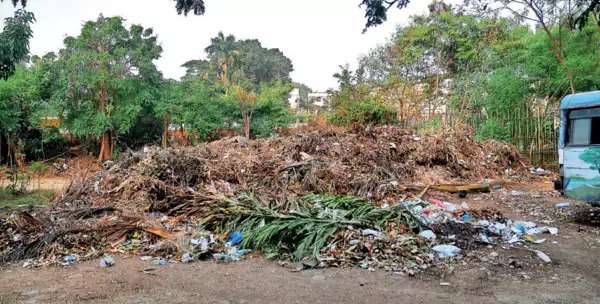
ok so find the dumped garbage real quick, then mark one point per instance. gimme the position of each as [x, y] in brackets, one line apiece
[337, 198]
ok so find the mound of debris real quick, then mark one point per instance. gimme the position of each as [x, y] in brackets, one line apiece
[376, 165]
[340, 198]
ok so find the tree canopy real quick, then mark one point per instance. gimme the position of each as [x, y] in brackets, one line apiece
[104, 74]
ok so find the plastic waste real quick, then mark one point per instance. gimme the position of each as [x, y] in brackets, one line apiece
[161, 261]
[532, 239]
[428, 234]
[436, 202]
[236, 254]
[450, 207]
[146, 258]
[466, 217]
[368, 232]
[563, 205]
[187, 257]
[164, 219]
[204, 244]
[233, 255]
[464, 206]
[517, 193]
[235, 238]
[518, 228]
[107, 261]
[446, 251]
[552, 230]
[70, 258]
[496, 187]
[462, 193]
[543, 256]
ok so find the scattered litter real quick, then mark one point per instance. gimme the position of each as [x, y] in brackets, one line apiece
[542, 256]
[446, 251]
[428, 234]
[371, 232]
[444, 284]
[563, 205]
[517, 193]
[187, 257]
[161, 261]
[235, 238]
[107, 261]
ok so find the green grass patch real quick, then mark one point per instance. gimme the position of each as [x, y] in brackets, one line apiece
[36, 197]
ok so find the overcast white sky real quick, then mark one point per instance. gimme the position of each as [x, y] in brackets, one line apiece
[317, 35]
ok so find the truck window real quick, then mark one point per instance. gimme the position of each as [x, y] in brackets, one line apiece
[595, 136]
[579, 131]
[584, 127]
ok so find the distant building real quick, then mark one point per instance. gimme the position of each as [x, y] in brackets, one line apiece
[314, 99]
[320, 99]
[294, 100]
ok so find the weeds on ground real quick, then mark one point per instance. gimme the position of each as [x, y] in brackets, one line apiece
[38, 197]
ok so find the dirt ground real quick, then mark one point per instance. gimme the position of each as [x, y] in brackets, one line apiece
[513, 276]
[46, 183]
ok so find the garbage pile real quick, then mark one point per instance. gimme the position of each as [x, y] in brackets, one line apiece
[338, 198]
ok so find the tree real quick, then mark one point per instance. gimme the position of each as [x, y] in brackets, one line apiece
[270, 111]
[246, 101]
[198, 68]
[259, 64]
[223, 52]
[14, 41]
[376, 10]
[344, 77]
[186, 6]
[546, 14]
[105, 72]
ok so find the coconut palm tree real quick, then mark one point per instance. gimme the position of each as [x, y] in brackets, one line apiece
[223, 53]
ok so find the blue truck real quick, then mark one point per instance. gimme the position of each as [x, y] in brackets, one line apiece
[579, 146]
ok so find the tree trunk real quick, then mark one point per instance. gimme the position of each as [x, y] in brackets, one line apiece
[166, 122]
[558, 53]
[464, 99]
[106, 146]
[247, 127]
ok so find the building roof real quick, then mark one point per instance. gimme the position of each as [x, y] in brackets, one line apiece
[581, 100]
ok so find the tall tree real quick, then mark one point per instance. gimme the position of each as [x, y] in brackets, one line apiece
[104, 74]
[546, 14]
[260, 64]
[223, 52]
